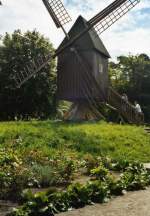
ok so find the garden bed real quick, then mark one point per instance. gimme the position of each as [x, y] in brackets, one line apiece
[38, 155]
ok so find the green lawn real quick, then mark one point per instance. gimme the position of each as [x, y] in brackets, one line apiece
[47, 138]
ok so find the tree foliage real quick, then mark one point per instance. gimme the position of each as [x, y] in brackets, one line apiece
[37, 96]
[131, 75]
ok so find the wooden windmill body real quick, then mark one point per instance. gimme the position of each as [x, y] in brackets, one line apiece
[73, 76]
[82, 59]
[77, 73]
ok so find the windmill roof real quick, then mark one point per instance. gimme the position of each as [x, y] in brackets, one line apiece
[92, 37]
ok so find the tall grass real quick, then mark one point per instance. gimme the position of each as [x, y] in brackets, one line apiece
[49, 138]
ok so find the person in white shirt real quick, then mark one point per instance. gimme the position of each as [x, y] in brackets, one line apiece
[137, 107]
[139, 113]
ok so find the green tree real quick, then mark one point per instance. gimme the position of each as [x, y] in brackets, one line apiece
[37, 96]
[131, 75]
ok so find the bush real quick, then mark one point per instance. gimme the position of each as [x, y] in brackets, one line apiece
[100, 172]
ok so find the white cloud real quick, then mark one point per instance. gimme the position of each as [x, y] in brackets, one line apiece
[135, 42]
[127, 35]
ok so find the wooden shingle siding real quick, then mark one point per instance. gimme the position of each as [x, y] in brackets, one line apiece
[85, 74]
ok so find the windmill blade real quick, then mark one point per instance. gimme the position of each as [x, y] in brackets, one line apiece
[101, 21]
[31, 69]
[58, 12]
[111, 14]
[98, 19]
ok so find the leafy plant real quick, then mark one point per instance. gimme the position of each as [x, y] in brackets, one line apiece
[99, 191]
[100, 172]
[14, 175]
[66, 170]
[135, 177]
[90, 162]
[121, 165]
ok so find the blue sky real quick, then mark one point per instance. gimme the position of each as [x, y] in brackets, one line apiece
[131, 34]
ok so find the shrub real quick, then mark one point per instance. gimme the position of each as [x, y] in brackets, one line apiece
[100, 172]
[121, 165]
[90, 162]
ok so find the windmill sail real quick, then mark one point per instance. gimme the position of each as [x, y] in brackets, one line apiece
[101, 22]
[111, 14]
[58, 12]
[114, 8]
[31, 69]
[60, 17]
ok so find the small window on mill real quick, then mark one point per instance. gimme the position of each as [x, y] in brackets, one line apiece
[101, 68]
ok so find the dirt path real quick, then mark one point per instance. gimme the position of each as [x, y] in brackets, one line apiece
[132, 204]
[6, 207]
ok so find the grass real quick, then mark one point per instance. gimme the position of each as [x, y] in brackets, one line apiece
[47, 138]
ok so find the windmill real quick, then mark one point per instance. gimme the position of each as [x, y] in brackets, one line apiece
[82, 59]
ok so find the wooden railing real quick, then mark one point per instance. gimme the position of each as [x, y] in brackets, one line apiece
[125, 109]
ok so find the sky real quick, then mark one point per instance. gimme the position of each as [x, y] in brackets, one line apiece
[130, 35]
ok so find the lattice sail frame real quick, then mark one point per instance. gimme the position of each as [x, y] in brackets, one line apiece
[31, 69]
[115, 15]
[58, 12]
[60, 17]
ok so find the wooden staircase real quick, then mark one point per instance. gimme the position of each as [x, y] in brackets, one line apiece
[125, 109]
